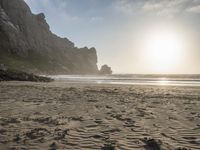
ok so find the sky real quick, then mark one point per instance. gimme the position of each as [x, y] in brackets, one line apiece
[127, 33]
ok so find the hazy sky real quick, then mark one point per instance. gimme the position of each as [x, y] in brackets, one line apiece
[118, 29]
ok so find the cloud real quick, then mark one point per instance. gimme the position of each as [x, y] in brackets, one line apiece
[166, 8]
[53, 9]
[35, 3]
[195, 9]
[126, 7]
[152, 7]
[95, 19]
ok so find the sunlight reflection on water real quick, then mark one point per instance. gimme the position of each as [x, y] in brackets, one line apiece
[124, 80]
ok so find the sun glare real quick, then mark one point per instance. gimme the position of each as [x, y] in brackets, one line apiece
[163, 51]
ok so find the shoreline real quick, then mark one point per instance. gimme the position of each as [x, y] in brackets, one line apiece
[69, 83]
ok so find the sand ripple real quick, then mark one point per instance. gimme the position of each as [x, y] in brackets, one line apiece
[54, 116]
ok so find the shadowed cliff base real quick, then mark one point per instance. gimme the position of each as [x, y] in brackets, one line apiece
[13, 75]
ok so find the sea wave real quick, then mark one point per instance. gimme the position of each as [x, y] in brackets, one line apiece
[160, 80]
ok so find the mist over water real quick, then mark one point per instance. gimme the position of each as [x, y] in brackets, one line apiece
[129, 79]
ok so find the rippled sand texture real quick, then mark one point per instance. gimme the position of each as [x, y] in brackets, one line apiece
[60, 116]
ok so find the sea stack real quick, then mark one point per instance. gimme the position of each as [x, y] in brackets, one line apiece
[105, 69]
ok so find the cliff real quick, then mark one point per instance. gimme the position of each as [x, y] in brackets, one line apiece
[26, 43]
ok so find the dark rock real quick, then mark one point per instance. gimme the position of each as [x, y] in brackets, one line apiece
[152, 144]
[60, 134]
[12, 75]
[26, 43]
[108, 147]
[17, 138]
[53, 146]
[37, 133]
[105, 70]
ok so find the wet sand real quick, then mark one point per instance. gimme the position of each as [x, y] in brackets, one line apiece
[104, 117]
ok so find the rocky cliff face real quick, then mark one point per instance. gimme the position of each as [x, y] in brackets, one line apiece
[26, 43]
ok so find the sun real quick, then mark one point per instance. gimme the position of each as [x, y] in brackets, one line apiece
[163, 51]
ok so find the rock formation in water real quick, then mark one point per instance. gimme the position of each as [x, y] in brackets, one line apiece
[105, 70]
[26, 43]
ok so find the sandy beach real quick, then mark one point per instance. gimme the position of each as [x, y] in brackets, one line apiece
[104, 117]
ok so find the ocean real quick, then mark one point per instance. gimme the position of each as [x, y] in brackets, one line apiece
[129, 79]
